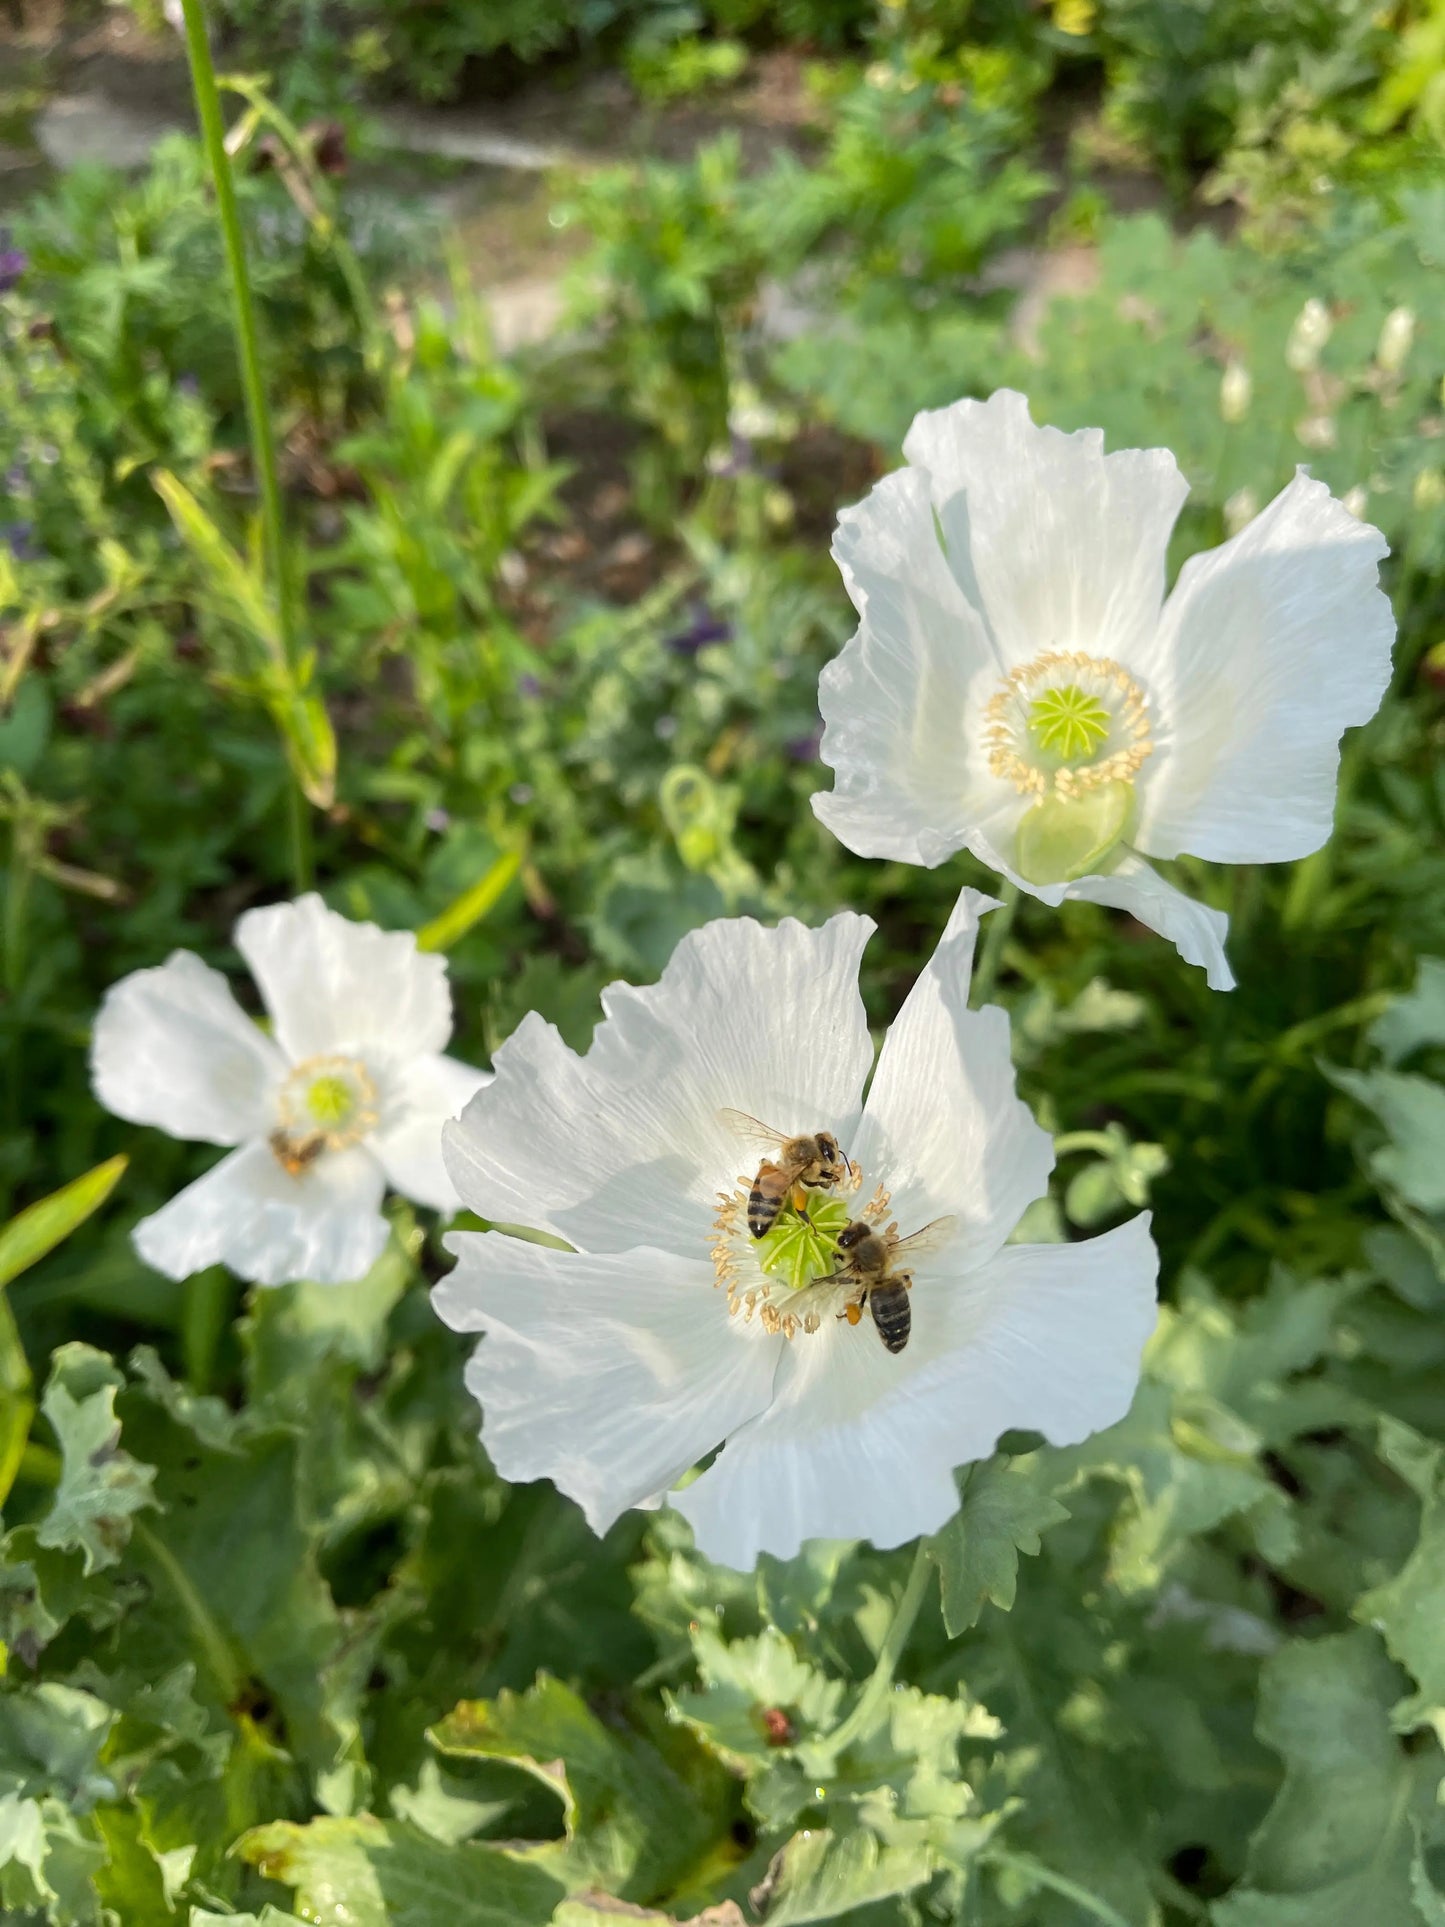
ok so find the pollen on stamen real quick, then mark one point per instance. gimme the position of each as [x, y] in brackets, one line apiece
[1097, 686]
[876, 1209]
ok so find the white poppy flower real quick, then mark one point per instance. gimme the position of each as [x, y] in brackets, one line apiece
[612, 1368]
[348, 1093]
[1019, 687]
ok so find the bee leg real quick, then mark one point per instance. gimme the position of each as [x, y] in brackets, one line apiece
[853, 1313]
[800, 1200]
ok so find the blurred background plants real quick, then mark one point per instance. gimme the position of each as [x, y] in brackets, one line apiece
[275, 1636]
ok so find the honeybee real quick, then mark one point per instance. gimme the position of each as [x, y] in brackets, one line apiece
[869, 1256]
[810, 1162]
[295, 1154]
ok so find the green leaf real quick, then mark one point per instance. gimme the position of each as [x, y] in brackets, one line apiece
[268, 1917]
[756, 1696]
[33, 1232]
[365, 1872]
[637, 1822]
[1412, 1110]
[1337, 1847]
[471, 906]
[232, 1585]
[51, 1738]
[47, 1863]
[1409, 1610]
[601, 1910]
[822, 1874]
[101, 1486]
[1417, 1018]
[236, 586]
[1006, 1504]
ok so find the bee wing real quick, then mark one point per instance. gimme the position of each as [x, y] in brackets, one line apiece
[931, 1238]
[754, 1130]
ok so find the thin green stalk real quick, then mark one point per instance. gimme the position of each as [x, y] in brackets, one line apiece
[880, 1682]
[248, 350]
[996, 932]
[226, 1669]
[298, 836]
[1033, 1870]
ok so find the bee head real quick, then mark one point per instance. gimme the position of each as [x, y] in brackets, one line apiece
[853, 1234]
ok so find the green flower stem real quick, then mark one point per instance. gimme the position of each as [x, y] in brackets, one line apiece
[258, 418]
[880, 1682]
[1039, 1875]
[996, 932]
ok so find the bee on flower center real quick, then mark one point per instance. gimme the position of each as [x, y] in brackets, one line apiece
[810, 1162]
[869, 1268]
[296, 1154]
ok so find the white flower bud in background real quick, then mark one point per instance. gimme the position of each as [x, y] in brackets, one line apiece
[1429, 490]
[1317, 431]
[1356, 500]
[1308, 336]
[1240, 509]
[1397, 337]
[1236, 391]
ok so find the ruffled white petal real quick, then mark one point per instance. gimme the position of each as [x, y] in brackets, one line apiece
[608, 1375]
[627, 1143]
[1060, 545]
[859, 1443]
[422, 1096]
[1196, 931]
[173, 1048]
[1270, 646]
[248, 1213]
[334, 985]
[943, 1129]
[902, 704]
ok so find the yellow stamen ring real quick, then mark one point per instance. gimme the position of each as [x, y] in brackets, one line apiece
[1047, 718]
[333, 1098]
[751, 1293]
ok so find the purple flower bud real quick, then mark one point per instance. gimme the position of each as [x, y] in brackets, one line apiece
[529, 687]
[19, 538]
[13, 262]
[704, 629]
[804, 749]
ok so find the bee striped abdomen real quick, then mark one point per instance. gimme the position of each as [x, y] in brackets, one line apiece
[770, 1187]
[892, 1314]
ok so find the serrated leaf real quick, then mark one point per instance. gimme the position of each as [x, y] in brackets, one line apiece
[51, 1738]
[101, 1486]
[47, 1863]
[756, 1697]
[1407, 1610]
[636, 1822]
[601, 1910]
[268, 1917]
[821, 1874]
[1337, 1847]
[365, 1872]
[1006, 1504]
